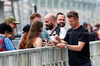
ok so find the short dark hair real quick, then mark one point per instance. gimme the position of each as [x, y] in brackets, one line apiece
[72, 14]
[5, 27]
[60, 13]
[34, 15]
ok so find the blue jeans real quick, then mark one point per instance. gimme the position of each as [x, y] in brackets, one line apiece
[86, 64]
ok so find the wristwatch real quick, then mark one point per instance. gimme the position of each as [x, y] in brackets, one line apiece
[65, 46]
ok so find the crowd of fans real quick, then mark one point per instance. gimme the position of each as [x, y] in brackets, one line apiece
[34, 35]
[76, 39]
[94, 31]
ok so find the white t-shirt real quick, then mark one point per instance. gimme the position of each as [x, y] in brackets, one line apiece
[52, 37]
[61, 35]
[99, 32]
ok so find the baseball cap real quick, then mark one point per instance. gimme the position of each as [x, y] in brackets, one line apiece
[10, 19]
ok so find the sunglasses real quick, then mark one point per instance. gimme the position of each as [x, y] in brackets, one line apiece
[70, 13]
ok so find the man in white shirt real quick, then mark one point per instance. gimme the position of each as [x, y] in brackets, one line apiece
[61, 22]
[55, 27]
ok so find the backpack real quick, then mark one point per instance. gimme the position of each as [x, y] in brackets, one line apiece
[1, 43]
[57, 29]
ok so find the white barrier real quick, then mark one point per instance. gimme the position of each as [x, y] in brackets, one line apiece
[95, 53]
[45, 56]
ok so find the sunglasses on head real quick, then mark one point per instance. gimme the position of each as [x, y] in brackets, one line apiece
[70, 13]
[73, 14]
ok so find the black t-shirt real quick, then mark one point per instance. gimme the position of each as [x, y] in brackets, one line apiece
[73, 37]
[92, 36]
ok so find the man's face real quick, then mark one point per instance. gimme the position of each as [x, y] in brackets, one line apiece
[72, 22]
[61, 20]
[48, 23]
[13, 25]
[36, 18]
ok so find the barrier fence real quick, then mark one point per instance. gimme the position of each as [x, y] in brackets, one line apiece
[45, 56]
[95, 53]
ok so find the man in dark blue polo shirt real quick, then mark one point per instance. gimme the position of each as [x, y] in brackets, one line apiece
[76, 41]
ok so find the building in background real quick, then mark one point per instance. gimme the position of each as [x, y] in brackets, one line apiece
[89, 10]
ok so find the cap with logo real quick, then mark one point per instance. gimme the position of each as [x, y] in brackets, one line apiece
[10, 19]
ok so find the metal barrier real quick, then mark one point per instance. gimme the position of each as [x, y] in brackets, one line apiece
[95, 53]
[45, 56]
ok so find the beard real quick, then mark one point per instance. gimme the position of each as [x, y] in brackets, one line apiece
[49, 27]
[61, 25]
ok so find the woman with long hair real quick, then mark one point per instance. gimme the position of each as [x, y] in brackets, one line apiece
[23, 41]
[33, 38]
